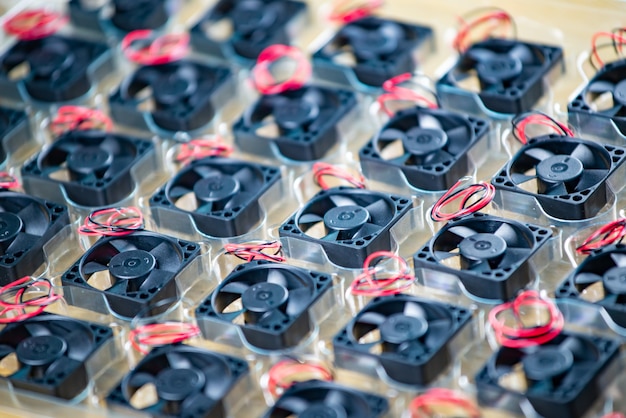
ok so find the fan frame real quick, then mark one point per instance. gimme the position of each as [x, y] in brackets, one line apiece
[372, 74]
[90, 18]
[349, 354]
[17, 136]
[573, 206]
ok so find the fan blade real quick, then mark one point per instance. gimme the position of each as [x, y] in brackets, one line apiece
[379, 212]
[556, 189]
[292, 404]
[22, 242]
[337, 399]
[354, 32]
[239, 200]
[331, 236]
[513, 256]
[612, 111]
[5, 350]
[298, 300]
[119, 287]
[122, 245]
[438, 331]
[590, 178]
[111, 145]
[235, 287]
[62, 365]
[36, 329]
[481, 266]
[206, 171]
[401, 160]
[179, 191]
[462, 231]
[601, 86]
[578, 348]
[276, 276]
[585, 156]
[458, 139]
[619, 259]
[443, 255]
[156, 279]
[414, 310]
[342, 200]
[366, 230]
[309, 218]
[424, 120]
[391, 134]
[523, 53]
[480, 54]
[32, 216]
[119, 164]
[245, 176]
[578, 373]
[79, 344]
[313, 96]
[510, 236]
[140, 379]
[206, 401]
[538, 154]
[162, 251]
[587, 279]
[272, 317]
[371, 318]
[67, 146]
[519, 178]
[177, 360]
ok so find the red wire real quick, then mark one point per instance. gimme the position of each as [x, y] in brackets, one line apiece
[486, 190]
[346, 11]
[161, 334]
[618, 42]
[202, 148]
[521, 122]
[7, 181]
[270, 251]
[71, 118]
[521, 337]
[34, 24]
[367, 284]
[614, 415]
[608, 234]
[261, 75]
[422, 405]
[395, 92]
[20, 287]
[495, 17]
[281, 375]
[112, 222]
[322, 170]
[155, 51]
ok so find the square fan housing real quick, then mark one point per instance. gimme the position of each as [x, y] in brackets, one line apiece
[293, 142]
[60, 69]
[376, 59]
[230, 222]
[570, 401]
[349, 253]
[15, 264]
[124, 16]
[255, 25]
[430, 176]
[415, 367]
[509, 98]
[280, 333]
[14, 132]
[577, 205]
[73, 377]
[81, 151]
[185, 95]
[498, 283]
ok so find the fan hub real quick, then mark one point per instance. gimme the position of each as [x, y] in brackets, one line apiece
[614, 280]
[133, 264]
[175, 89]
[499, 68]
[86, 160]
[10, 227]
[248, 16]
[373, 43]
[320, 410]
[346, 218]
[399, 328]
[179, 384]
[559, 168]
[263, 297]
[295, 114]
[619, 94]
[216, 188]
[50, 60]
[40, 350]
[482, 247]
[424, 141]
[547, 363]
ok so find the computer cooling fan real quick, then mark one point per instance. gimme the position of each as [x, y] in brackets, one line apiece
[14, 132]
[567, 176]
[302, 124]
[242, 29]
[349, 224]
[602, 99]
[52, 353]
[410, 338]
[125, 16]
[599, 279]
[269, 302]
[323, 399]
[221, 195]
[178, 96]
[563, 377]
[52, 69]
[508, 75]
[429, 146]
[189, 383]
[93, 168]
[490, 255]
[371, 49]
[136, 273]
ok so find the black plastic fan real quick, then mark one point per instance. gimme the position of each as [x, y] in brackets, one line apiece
[189, 382]
[603, 98]
[14, 132]
[222, 196]
[136, 273]
[323, 399]
[561, 378]
[269, 301]
[93, 167]
[372, 49]
[507, 74]
[600, 279]
[303, 124]
[410, 338]
[27, 224]
[52, 69]
[124, 15]
[429, 146]
[51, 353]
[490, 255]
[567, 176]
[349, 224]
[181, 96]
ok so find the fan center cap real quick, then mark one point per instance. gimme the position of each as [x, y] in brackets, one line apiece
[50, 59]
[216, 188]
[251, 15]
[345, 218]
[547, 362]
[87, 159]
[614, 280]
[295, 114]
[423, 141]
[133, 264]
[399, 328]
[319, 410]
[499, 67]
[10, 226]
[559, 168]
[482, 246]
[619, 94]
[264, 296]
[178, 384]
[175, 89]
[40, 350]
